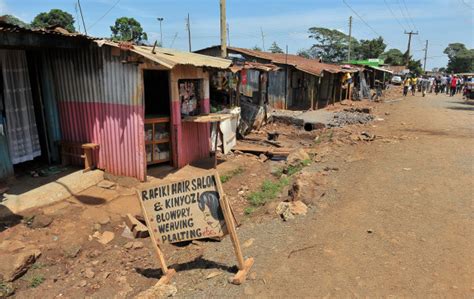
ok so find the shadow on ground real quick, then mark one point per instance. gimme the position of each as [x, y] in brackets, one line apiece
[8, 218]
[197, 263]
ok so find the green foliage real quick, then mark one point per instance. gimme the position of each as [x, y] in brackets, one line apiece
[370, 48]
[268, 191]
[55, 17]
[128, 29]
[256, 48]
[6, 289]
[331, 45]
[461, 59]
[227, 176]
[274, 48]
[249, 210]
[393, 57]
[415, 67]
[36, 280]
[14, 21]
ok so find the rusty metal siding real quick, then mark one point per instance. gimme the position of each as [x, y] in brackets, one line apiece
[276, 89]
[99, 102]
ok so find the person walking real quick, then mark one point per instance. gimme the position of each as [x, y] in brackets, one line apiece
[453, 85]
[406, 85]
[448, 85]
[414, 81]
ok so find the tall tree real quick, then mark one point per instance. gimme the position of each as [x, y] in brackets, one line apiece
[415, 66]
[128, 29]
[370, 48]
[14, 21]
[274, 48]
[55, 17]
[461, 59]
[331, 45]
[393, 57]
[256, 48]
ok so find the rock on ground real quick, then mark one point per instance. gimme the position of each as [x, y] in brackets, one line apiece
[158, 291]
[13, 266]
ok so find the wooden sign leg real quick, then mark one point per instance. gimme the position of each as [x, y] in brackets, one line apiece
[244, 266]
[167, 272]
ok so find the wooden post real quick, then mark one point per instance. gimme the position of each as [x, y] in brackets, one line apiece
[167, 272]
[244, 266]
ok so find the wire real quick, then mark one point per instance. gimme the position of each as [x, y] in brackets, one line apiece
[103, 16]
[413, 23]
[363, 21]
[467, 4]
[393, 14]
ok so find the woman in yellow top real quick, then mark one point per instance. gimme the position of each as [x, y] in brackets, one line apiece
[406, 84]
[414, 80]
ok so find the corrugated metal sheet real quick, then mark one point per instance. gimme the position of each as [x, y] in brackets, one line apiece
[251, 84]
[97, 96]
[276, 89]
[170, 58]
[309, 66]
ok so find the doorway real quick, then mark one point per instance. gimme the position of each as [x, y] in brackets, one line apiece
[157, 117]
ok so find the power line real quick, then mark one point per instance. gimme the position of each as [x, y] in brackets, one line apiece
[393, 14]
[404, 16]
[362, 19]
[467, 4]
[411, 20]
[106, 13]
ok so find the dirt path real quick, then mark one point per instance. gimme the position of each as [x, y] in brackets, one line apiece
[398, 220]
[392, 216]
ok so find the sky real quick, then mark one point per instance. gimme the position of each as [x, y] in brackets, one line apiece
[286, 22]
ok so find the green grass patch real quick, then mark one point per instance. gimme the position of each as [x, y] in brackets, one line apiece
[6, 289]
[292, 169]
[36, 280]
[38, 265]
[325, 136]
[227, 176]
[268, 191]
[249, 210]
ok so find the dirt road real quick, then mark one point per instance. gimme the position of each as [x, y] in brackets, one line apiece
[391, 216]
[397, 220]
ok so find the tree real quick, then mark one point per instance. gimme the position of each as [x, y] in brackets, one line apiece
[274, 48]
[370, 48]
[461, 59]
[256, 48]
[128, 29]
[331, 45]
[415, 67]
[14, 21]
[393, 57]
[55, 17]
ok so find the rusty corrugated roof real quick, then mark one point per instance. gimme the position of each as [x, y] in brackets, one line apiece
[306, 65]
[169, 58]
[53, 30]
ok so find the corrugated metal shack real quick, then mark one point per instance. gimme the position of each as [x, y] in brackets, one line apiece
[132, 101]
[309, 83]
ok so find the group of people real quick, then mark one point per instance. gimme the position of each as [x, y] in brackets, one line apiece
[451, 85]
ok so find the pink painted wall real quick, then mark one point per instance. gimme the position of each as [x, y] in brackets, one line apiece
[191, 140]
[118, 128]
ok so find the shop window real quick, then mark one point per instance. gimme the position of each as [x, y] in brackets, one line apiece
[190, 96]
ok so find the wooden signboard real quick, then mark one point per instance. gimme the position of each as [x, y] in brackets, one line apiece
[189, 209]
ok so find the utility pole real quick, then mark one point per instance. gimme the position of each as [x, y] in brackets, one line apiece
[161, 31]
[188, 27]
[223, 30]
[228, 35]
[263, 39]
[409, 44]
[82, 16]
[426, 53]
[350, 38]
